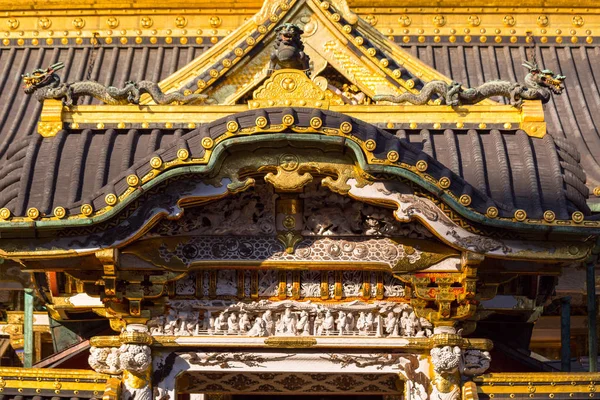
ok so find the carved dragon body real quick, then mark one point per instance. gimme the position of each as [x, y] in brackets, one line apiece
[289, 49]
[538, 85]
[46, 84]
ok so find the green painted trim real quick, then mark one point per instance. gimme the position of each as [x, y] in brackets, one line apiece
[219, 150]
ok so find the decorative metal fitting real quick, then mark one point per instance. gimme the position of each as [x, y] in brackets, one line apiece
[465, 200]
[111, 199]
[492, 212]
[520, 215]
[87, 210]
[393, 156]
[60, 212]
[183, 154]
[156, 162]
[133, 180]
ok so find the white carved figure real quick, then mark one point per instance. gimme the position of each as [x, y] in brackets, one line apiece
[341, 323]
[171, 322]
[350, 323]
[287, 323]
[269, 323]
[361, 324]
[233, 325]
[475, 362]
[318, 325]
[391, 324]
[245, 324]
[328, 323]
[221, 323]
[303, 324]
[259, 328]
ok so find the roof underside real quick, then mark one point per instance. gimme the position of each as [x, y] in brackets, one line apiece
[514, 170]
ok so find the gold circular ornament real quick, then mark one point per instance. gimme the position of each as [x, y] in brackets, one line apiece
[444, 182]
[112, 22]
[520, 215]
[207, 143]
[250, 41]
[384, 62]
[439, 20]
[146, 22]
[325, 5]
[370, 145]
[422, 166]
[359, 40]
[4, 213]
[335, 17]
[577, 217]
[261, 122]
[33, 213]
[346, 127]
[597, 191]
[156, 162]
[578, 21]
[465, 200]
[347, 28]
[12, 23]
[226, 63]
[437, 125]
[215, 21]
[274, 18]
[287, 120]
[262, 29]
[316, 122]
[44, 23]
[181, 21]
[289, 222]
[371, 19]
[474, 20]
[232, 126]
[111, 199]
[133, 180]
[372, 52]
[549, 216]
[213, 73]
[183, 154]
[87, 209]
[238, 51]
[543, 21]
[509, 20]
[78, 23]
[404, 20]
[492, 212]
[60, 212]
[393, 156]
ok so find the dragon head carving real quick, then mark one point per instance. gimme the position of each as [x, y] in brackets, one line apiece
[41, 77]
[544, 78]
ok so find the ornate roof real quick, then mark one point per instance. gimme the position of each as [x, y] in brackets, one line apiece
[494, 165]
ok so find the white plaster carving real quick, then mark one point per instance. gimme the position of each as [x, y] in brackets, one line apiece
[289, 318]
[310, 283]
[227, 282]
[475, 362]
[114, 360]
[327, 214]
[268, 283]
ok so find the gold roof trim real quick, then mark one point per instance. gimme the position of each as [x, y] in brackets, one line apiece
[529, 118]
